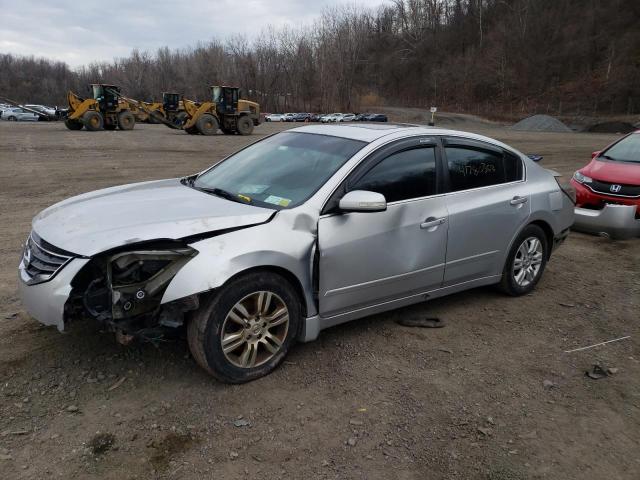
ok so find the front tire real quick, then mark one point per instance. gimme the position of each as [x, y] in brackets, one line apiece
[207, 124]
[93, 121]
[526, 262]
[244, 330]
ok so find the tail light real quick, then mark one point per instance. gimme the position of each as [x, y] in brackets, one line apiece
[566, 187]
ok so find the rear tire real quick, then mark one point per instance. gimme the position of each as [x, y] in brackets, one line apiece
[73, 124]
[207, 124]
[526, 262]
[245, 126]
[257, 316]
[93, 121]
[126, 120]
[179, 119]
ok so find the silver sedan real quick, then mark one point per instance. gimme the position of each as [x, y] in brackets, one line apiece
[303, 230]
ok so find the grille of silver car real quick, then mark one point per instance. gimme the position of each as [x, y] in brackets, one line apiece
[42, 260]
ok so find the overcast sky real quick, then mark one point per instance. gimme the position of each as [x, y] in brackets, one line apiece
[82, 31]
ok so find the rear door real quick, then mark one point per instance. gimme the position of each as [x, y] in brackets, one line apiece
[371, 258]
[488, 203]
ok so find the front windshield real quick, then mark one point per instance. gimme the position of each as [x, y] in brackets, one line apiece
[281, 171]
[626, 150]
[97, 91]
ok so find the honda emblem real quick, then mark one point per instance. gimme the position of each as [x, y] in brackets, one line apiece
[615, 188]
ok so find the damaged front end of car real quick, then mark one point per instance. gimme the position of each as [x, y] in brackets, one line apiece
[123, 290]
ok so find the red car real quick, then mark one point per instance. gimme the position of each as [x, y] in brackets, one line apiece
[608, 190]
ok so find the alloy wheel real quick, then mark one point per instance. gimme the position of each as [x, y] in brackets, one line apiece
[254, 329]
[527, 262]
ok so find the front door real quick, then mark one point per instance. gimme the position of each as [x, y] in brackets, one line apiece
[371, 258]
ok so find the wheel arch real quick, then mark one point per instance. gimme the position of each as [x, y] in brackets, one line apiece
[288, 274]
[548, 233]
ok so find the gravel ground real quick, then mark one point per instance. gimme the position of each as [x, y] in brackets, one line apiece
[490, 396]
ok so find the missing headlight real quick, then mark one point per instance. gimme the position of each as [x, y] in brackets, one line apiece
[138, 279]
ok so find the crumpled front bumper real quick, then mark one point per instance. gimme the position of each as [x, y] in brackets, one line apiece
[615, 221]
[45, 301]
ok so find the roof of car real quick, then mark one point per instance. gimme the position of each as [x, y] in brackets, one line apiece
[370, 132]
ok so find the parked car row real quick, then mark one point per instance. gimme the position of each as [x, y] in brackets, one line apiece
[15, 114]
[27, 113]
[328, 118]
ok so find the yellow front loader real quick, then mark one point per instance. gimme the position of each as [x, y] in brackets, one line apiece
[225, 111]
[171, 108]
[105, 110]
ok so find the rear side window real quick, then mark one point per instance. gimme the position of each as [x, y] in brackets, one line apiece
[512, 167]
[402, 175]
[471, 167]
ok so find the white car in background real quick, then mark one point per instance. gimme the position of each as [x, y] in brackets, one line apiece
[16, 114]
[347, 117]
[331, 118]
[43, 109]
[274, 117]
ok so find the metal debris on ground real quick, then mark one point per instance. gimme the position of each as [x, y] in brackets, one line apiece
[597, 344]
[421, 322]
[596, 372]
[117, 384]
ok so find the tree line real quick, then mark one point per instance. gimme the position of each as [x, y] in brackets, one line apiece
[508, 56]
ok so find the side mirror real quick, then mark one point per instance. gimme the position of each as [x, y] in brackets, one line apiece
[595, 154]
[363, 201]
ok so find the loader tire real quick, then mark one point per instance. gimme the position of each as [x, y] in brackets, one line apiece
[126, 121]
[155, 118]
[207, 124]
[179, 119]
[73, 124]
[192, 130]
[93, 121]
[245, 126]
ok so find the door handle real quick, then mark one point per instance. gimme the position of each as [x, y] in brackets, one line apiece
[518, 200]
[432, 222]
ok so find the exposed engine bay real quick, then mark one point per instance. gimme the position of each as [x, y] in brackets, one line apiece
[123, 289]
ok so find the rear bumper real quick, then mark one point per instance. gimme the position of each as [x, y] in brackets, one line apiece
[45, 301]
[615, 221]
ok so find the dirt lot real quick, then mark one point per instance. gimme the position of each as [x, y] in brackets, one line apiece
[490, 396]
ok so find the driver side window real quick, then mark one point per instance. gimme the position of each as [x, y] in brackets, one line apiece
[403, 175]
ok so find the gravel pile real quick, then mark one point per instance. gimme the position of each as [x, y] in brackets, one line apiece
[541, 123]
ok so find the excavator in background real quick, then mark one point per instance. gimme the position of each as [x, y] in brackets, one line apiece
[107, 110]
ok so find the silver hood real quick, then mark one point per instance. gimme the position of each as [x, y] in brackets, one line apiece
[166, 209]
